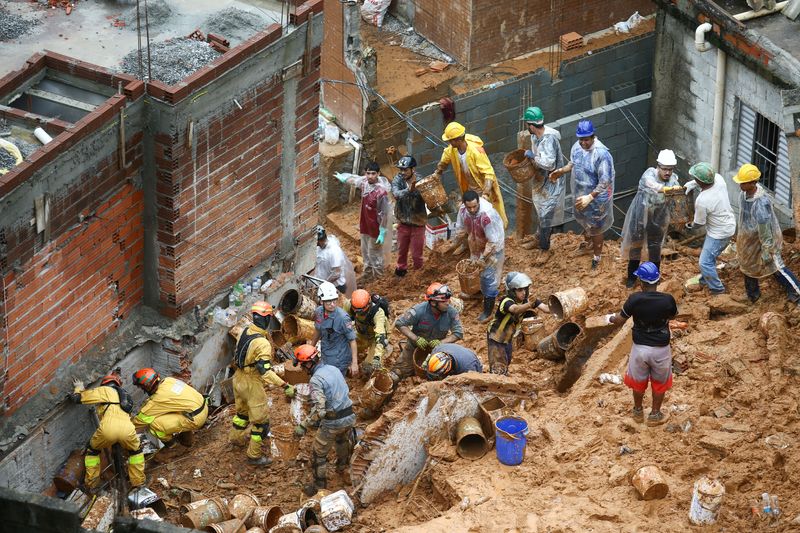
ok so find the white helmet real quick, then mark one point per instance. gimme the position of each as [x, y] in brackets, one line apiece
[327, 291]
[666, 158]
[517, 280]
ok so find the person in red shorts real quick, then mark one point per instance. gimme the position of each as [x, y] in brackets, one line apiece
[650, 360]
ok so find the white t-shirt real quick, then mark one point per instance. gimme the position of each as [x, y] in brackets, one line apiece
[713, 208]
[329, 258]
[464, 167]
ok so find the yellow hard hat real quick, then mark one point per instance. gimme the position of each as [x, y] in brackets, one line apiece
[454, 130]
[747, 173]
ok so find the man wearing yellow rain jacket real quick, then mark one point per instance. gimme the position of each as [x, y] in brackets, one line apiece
[471, 166]
[252, 360]
[113, 407]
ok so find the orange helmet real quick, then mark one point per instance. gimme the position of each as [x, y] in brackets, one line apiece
[360, 300]
[112, 378]
[261, 308]
[145, 378]
[439, 365]
[305, 353]
[438, 293]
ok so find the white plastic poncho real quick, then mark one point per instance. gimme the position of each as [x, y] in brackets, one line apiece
[647, 219]
[334, 266]
[484, 227]
[548, 197]
[758, 237]
[593, 170]
[385, 213]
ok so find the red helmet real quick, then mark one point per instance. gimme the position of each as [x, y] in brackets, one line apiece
[438, 293]
[261, 308]
[111, 378]
[305, 353]
[145, 378]
[360, 301]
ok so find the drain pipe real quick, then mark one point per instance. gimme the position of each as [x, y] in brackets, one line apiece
[749, 15]
[702, 45]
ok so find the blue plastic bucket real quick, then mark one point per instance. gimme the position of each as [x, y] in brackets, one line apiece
[510, 439]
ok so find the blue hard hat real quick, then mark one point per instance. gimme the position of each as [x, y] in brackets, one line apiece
[648, 272]
[585, 129]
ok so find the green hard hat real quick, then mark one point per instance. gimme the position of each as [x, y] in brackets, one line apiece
[702, 172]
[534, 114]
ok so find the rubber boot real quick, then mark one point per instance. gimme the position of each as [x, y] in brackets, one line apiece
[630, 282]
[186, 438]
[488, 307]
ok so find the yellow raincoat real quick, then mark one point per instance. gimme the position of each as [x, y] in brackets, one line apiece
[480, 170]
[164, 412]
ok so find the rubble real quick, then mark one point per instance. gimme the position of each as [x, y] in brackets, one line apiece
[158, 14]
[413, 41]
[234, 24]
[171, 60]
[13, 26]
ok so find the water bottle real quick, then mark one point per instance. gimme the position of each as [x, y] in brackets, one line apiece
[246, 290]
[766, 507]
[237, 294]
[776, 510]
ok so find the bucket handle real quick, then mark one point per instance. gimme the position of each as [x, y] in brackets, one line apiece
[509, 436]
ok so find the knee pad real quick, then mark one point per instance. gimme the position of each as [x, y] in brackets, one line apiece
[91, 451]
[240, 421]
[260, 430]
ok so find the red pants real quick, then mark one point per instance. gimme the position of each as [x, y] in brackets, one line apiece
[410, 235]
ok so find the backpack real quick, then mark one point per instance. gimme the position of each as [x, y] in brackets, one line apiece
[125, 400]
[378, 302]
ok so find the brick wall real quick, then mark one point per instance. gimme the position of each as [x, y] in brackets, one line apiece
[481, 32]
[307, 184]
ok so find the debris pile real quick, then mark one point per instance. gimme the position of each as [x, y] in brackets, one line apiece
[171, 60]
[13, 26]
[234, 24]
[6, 159]
[158, 13]
[413, 41]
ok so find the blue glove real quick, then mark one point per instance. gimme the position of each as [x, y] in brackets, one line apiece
[381, 236]
[529, 154]
[339, 176]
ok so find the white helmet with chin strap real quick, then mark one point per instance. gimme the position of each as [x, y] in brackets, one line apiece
[327, 291]
[517, 280]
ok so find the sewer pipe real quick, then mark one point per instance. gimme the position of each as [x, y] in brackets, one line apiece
[749, 15]
[702, 45]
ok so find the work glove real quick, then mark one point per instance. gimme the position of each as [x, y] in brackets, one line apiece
[74, 397]
[381, 236]
[529, 154]
[340, 176]
[669, 189]
[434, 343]
[77, 385]
[690, 186]
[299, 431]
[377, 364]
[421, 343]
[288, 390]
[583, 201]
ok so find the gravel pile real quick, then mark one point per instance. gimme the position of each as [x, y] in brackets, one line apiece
[171, 60]
[6, 159]
[413, 41]
[158, 13]
[25, 148]
[234, 24]
[13, 26]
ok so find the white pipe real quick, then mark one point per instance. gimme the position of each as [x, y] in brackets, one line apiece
[700, 37]
[719, 106]
[42, 136]
[749, 15]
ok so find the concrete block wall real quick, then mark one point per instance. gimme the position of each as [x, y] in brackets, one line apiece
[344, 101]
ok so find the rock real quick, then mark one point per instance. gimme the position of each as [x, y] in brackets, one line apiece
[720, 442]
[618, 475]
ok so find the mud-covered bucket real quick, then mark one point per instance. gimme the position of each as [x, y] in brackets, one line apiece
[519, 166]
[432, 191]
[296, 329]
[568, 303]
[293, 302]
[555, 345]
[531, 331]
[377, 389]
[71, 474]
[469, 276]
[285, 443]
[242, 504]
[265, 517]
[470, 441]
[419, 358]
[207, 512]
[706, 501]
[510, 439]
[649, 483]
[234, 525]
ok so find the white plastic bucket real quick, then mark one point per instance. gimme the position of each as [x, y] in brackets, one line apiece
[337, 510]
[706, 501]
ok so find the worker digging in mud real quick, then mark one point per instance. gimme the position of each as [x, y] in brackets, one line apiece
[252, 361]
[426, 326]
[333, 327]
[411, 215]
[375, 220]
[759, 238]
[548, 193]
[712, 209]
[113, 405]
[592, 185]
[650, 359]
[647, 219]
[510, 311]
[372, 329]
[480, 225]
[332, 263]
[471, 165]
[172, 412]
[450, 359]
[331, 410]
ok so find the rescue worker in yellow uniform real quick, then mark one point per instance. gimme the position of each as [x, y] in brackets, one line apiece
[113, 405]
[372, 330]
[471, 165]
[252, 361]
[173, 411]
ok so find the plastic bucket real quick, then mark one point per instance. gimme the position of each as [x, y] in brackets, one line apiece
[565, 304]
[377, 389]
[706, 501]
[207, 512]
[519, 166]
[242, 504]
[470, 440]
[285, 443]
[469, 276]
[229, 526]
[264, 517]
[649, 483]
[432, 192]
[297, 329]
[531, 331]
[293, 302]
[419, 358]
[510, 440]
[555, 345]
